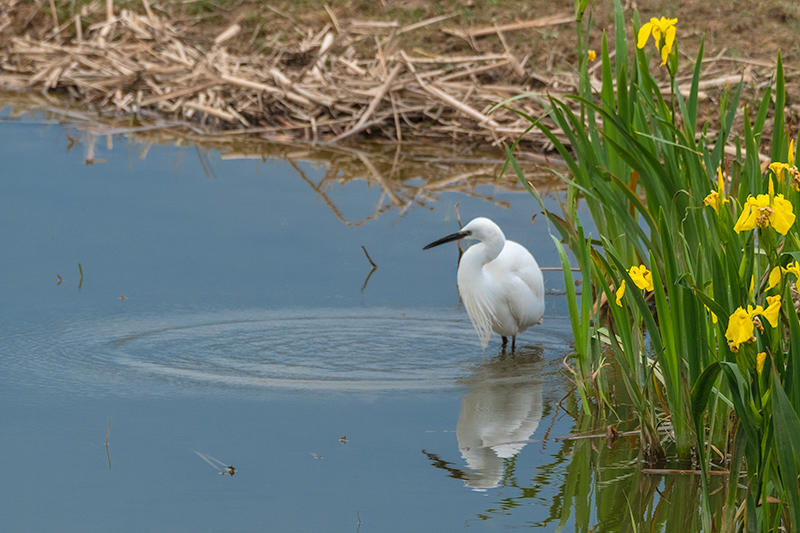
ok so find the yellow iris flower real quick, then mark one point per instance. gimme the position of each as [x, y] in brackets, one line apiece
[663, 32]
[742, 323]
[741, 326]
[778, 272]
[758, 212]
[779, 169]
[641, 277]
[592, 55]
[712, 199]
[717, 198]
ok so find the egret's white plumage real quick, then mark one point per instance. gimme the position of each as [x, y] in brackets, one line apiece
[499, 282]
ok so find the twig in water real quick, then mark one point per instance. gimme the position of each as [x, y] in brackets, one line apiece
[374, 268]
[108, 454]
[458, 242]
[80, 283]
[667, 471]
[59, 279]
[368, 257]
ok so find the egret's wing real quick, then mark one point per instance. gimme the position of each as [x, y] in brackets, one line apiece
[524, 284]
[522, 263]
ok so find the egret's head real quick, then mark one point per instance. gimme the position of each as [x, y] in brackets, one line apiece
[479, 229]
[483, 229]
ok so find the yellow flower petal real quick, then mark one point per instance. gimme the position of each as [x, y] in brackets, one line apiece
[644, 33]
[760, 358]
[717, 198]
[778, 169]
[774, 277]
[793, 268]
[620, 293]
[670, 39]
[747, 219]
[592, 55]
[773, 310]
[713, 316]
[720, 181]
[782, 216]
[657, 34]
[712, 199]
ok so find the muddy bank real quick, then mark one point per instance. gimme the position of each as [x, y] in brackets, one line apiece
[337, 81]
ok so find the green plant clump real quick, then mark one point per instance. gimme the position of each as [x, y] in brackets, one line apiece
[697, 258]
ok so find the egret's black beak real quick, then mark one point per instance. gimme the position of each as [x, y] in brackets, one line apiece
[449, 238]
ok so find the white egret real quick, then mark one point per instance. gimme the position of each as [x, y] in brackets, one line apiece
[499, 282]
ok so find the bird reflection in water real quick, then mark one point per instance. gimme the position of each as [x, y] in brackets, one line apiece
[499, 413]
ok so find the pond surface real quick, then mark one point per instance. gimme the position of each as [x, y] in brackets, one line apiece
[168, 313]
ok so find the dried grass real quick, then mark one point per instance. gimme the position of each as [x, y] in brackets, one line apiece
[317, 88]
[317, 85]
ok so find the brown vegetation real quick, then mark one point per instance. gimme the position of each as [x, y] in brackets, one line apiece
[288, 71]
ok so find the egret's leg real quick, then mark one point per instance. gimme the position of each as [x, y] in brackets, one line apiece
[513, 342]
[505, 341]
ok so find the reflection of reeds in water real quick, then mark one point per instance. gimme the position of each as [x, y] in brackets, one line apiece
[406, 180]
[408, 176]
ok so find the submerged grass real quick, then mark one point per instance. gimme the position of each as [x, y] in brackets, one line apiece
[697, 258]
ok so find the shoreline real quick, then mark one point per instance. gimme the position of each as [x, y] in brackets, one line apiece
[153, 73]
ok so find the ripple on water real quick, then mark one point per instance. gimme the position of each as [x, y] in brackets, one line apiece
[352, 349]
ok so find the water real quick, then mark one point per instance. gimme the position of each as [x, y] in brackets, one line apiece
[167, 316]
[225, 352]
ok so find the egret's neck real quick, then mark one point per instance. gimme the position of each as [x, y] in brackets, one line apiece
[478, 255]
[488, 250]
